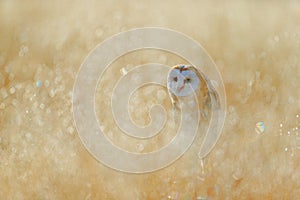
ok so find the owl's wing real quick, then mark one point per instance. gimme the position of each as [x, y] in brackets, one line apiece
[213, 94]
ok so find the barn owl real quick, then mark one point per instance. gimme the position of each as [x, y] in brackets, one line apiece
[184, 81]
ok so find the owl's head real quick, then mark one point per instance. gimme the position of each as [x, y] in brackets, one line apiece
[183, 80]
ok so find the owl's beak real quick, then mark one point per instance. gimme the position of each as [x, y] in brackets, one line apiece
[180, 88]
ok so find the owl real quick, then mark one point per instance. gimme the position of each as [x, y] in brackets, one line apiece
[184, 81]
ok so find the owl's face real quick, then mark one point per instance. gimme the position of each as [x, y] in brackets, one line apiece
[182, 80]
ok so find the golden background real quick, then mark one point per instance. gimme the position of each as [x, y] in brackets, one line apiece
[256, 46]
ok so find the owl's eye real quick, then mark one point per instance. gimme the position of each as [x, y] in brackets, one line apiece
[175, 79]
[188, 80]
